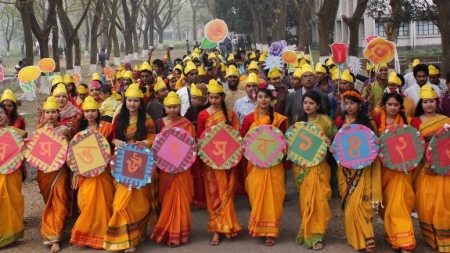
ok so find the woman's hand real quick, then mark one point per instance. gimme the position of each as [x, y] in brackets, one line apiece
[377, 141]
[118, 143]
[75, 180]
[328, 141]
[144, 143]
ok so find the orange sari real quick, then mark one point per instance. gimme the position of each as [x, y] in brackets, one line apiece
[432, 193]
[131, 209]
[54, 187]
[95, 198]
[265, 187]
[175, 195]
[219, 184]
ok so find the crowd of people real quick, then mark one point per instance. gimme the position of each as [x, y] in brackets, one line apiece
[206, 88]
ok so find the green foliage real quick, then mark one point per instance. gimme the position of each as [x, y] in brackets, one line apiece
[411, 10]
[236, 14]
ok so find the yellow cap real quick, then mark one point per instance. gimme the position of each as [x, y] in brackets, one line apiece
[433, 71]
[320, 68]
[329, 62]
[134, 91]
[51, 104]
[137, 67]
[230, 57]
[211, 56]
[334, 73]
[196, 50]
[380, 66]
[297, 73]
[189, 67]
[57, 79]
[393, 78]
[195, 91]
[145, 66]
[195, 56]
[89, 104]
[252, 78]
[368, 66]
[119, 74]
[427, 92]
[303, 61]
[68, 79]
[96, 76]
[172, 99]
[82, 90]
[253, 65]
[128, 75]
[274, 72]
[179, 67]
[252, 56]
[345, 75]
[159, 84]
[8, 95]
[223, 68]
[262, 58]
[415, 63]
[201, 71]
[60, 89]
[119, 67]
[214, 87]
[232, 71]
[187, 58]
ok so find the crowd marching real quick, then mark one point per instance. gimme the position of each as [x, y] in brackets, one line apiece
[204, 89]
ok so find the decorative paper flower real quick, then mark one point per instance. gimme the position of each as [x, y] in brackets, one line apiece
[47, 65]
[284, 43]
[76, 77]
[289, 57]
[290, 48]
[370, 38]
[340, 52]
[354, 64]
[273, 61]
[379, 51]
[29, 74]
[276, 48]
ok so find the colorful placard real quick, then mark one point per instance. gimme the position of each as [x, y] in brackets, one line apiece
[307, 145]
[220, 147]
[264, 145]
[401, 148]
[175, 150]
[88, 154]
[132, 165]
[11, 146]
[216, 30]
[438, 152]
[354, 146]
[47, 150]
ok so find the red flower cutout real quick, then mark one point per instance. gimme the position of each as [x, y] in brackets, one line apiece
[340, 52]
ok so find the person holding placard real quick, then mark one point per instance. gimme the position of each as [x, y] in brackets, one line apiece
[68, 112]
[12, 199]
[9, 100]
[431, 190]
[95, 194]
[175, 190]
[398, 194]
[359, 189]
[219, 199]
[313, 182]
[54, 186]
[265, 186]
[132, 208]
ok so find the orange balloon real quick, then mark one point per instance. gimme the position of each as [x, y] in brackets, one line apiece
[216, 30]
[29, 74]
[47, 65]
[289, 57]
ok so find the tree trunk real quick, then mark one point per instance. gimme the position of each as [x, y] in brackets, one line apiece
[135, 42]
[94, 29]
[444, 24]
[55, 47]
[280, 20]
[127, 33]
[326, 22]
[77, 47]
[391, 28]
[28, 36]
[353, 26]
[151, 30]
[160, 36]
[256, 25]
[303, 12]
[69, 56]
[194, 24]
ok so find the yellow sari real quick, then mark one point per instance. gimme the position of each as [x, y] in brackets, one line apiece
[265, 188]
[358, 190]
[314, 189]
[219, 184]
[95, 198]
[175, 195]
[433, 194]
[132, 209]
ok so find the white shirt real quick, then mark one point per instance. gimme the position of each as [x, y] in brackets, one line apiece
[410, 80]
[185, 100]
[413, 92]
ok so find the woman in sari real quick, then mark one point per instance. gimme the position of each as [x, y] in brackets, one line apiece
[219, 184]
[68, 111]
[12, 200]
[176, 190]
[265, 186]
[432, 191]
[360, 190]
[398, 194]
[95, 194]
[313, 182]
[131, 208]
[54, 185]
[9, 100]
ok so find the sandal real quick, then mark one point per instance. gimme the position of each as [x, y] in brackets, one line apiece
[318, 246]
[215, 241]
[270, 241]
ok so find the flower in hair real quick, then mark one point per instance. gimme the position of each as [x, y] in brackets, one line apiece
[353, 94]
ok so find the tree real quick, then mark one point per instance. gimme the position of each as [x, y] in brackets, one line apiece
[353, 26]
[442, 7]
[236, 14]
[98, 13]
[165, 12]
[303, 9]
[279, 8]
[111, 10]
[325, 24]
[11, 21]
[21, 5]
[256, 8]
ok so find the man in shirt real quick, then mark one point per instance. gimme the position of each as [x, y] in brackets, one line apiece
[246, 105]
[191, 76]
[156, 107]
[324, 83]
[434, 78]
[409, 77]
[374, 91]
[275, 78]
[421, 73]
[233, 93]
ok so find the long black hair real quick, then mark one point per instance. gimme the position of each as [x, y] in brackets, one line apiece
[224, 108]
[399, 99]
[315, 96]
[73, 92]
[268, 93]
[419, 108]
[83, 122]
[123, 121]
[13, 115]
[2, 106]
[361, 117]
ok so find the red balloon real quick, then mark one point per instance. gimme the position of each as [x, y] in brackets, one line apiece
[340, 52]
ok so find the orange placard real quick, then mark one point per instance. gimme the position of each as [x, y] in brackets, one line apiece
[29, 74]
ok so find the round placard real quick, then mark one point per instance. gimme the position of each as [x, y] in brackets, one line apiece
[47, 150]
[88, 154]
[264, 145]
[438, 152]
[401, 148]
[354, 146]
[220, 147]
[175, 150]
[133, 165]
[307, 145]
[11, 146]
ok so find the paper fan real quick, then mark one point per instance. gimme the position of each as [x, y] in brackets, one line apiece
[354, 64]
[273, 61]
